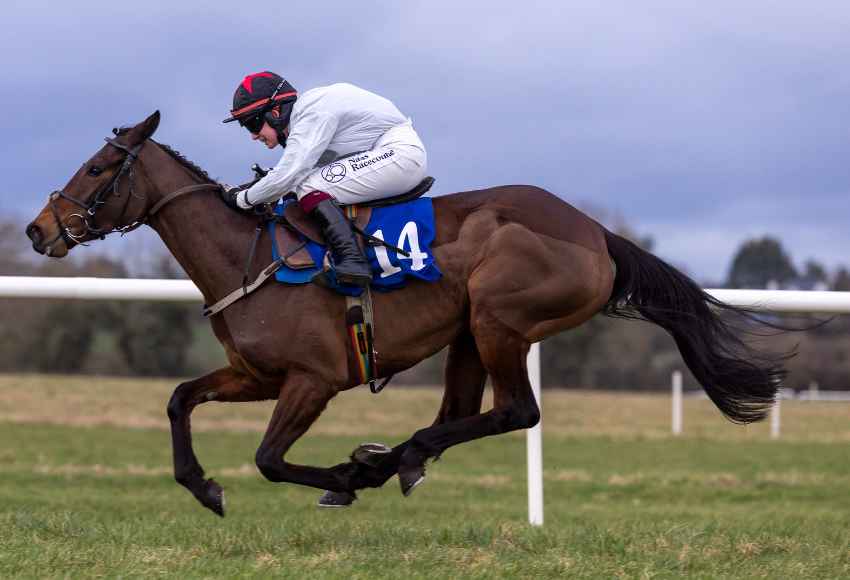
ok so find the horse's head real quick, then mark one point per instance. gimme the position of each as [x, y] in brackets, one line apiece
[101, 198]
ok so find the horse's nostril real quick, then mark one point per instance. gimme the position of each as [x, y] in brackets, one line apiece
[34, 233]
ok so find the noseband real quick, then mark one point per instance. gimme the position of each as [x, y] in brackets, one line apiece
[100, 199]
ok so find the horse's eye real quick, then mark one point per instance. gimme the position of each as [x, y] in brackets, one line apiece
[94, 171]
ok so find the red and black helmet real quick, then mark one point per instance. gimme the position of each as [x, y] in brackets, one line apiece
[257, 99]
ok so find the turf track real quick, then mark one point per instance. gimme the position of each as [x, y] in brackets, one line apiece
[84, 497]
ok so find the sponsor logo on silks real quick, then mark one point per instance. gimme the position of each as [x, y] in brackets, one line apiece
[363, 161]
[334, 173]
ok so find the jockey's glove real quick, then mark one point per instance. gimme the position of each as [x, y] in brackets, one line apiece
[230, 196]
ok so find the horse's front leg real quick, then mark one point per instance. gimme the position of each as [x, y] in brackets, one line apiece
[302, 399]
[226, 385]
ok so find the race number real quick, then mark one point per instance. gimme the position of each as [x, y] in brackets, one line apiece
[408, 240]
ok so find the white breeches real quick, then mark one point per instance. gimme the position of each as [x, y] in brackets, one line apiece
[395, 165]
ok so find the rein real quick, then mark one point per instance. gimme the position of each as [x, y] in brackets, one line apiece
[99, 200]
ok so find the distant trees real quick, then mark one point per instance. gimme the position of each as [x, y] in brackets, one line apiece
[760, 262]
[154, 337]
[66, 336]
[763, 262]
[841, 283]
[11, 246]
[59, 341]
[814, 274]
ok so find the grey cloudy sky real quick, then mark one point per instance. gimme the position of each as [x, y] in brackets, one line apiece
[702, 124]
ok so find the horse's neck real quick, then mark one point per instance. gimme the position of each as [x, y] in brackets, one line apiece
[208, 239]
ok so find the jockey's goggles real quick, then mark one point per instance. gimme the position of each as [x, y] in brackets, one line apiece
[254, 123]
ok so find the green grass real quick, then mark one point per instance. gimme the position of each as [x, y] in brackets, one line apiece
[99, 501]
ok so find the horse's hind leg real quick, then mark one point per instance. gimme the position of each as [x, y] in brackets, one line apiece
[465, 377]
[503, 354]
[224, 385]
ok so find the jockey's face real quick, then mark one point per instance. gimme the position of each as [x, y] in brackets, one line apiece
[267, 135]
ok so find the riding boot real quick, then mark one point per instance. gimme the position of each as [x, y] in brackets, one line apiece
[349, 262]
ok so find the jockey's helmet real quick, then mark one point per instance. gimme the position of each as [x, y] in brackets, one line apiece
[263, 97]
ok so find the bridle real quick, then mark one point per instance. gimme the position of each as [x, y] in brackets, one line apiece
[90, 209]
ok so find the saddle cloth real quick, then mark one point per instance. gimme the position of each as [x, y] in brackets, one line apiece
[408, 226]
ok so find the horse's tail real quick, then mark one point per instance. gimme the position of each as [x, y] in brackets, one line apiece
[741, 381]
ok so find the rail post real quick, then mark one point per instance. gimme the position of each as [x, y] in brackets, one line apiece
[534, 444]
[676, 384]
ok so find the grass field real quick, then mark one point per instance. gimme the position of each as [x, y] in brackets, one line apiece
[86, 491]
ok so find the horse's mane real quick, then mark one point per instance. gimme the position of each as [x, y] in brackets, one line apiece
[177, 156]
[191, 166]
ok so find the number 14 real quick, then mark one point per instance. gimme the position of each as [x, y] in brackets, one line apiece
[409, 234]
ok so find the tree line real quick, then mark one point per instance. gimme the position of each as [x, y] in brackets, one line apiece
[98, 337]
[164, 339]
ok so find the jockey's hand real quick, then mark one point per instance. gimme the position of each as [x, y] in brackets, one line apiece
[230, 196]
[263, 210]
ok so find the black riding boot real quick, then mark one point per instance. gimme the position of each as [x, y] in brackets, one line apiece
[350, 263]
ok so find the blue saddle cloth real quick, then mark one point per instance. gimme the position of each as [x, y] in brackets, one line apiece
[408, 226]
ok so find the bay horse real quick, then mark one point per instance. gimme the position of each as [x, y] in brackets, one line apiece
[519, 264]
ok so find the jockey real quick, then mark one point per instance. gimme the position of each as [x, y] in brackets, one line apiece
[342, 145]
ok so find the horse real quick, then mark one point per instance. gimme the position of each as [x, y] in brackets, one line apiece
[519, 264]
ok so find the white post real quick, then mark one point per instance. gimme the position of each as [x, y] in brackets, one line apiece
[814, 391]
[677, 402]
[534, 444]
[775, 419]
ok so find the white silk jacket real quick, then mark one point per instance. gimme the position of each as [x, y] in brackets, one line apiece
[338, 119]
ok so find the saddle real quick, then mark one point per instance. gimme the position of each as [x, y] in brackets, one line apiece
[293, 248]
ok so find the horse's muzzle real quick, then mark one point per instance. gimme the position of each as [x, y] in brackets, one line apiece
[35, 234]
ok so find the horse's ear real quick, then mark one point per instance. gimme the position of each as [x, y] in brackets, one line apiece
[149, 126]
[144, 130]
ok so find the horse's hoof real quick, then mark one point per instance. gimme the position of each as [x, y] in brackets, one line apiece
[336, 499]
[410, 479]
[370, 454]
[211, 497]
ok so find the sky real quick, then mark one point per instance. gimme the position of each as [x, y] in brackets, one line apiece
[701, 124]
